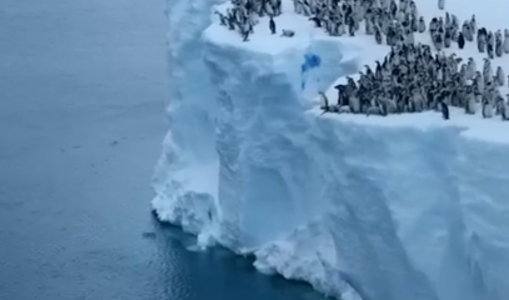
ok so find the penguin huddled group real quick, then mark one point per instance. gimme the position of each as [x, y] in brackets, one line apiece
[444, 32]
[411, 78]
[244, 14]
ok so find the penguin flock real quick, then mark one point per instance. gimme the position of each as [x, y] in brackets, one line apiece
[411, 78]
[244, 14]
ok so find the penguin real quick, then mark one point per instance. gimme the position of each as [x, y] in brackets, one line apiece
[447, 38]
[473, 23]
[222, 18]
[368, 27]
[355, 104]
[487, 109]
[471, 68]
[506, 41]
[487, 71]
[324, 102]
[351, 26]
[272, 25]
[461, 41]
[438, 41]
[504, 111]
[422, 25]
[499, 104]
[481, 43]
[500, 76]
[441, 4]
[444, 109]
[490, 45]
[316, 20]
[467, 32]
[470, 104]
[378, 35]
[498, 44]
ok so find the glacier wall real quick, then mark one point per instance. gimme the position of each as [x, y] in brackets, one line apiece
[189, 147]
[362, 208]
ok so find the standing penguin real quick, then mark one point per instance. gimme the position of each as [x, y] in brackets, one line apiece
[504, 111]
[461, 41]
[471, 68]
[473, 23]
[272, 26]
[444, 109]
[500, 76]
[422, 25]
[467, 32]
[487, 71]
[490, 45]
[481, 43]
[470, 104]
[447, 38]
[378, 35]
[441, 4]
[487, 109]
[506, 41]
[498, 44]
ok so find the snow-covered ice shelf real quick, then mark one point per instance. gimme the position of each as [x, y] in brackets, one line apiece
[396, 208]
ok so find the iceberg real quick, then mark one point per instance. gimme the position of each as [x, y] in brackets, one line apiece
[395, 208]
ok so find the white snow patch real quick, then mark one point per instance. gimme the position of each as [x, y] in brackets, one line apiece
[395, 208]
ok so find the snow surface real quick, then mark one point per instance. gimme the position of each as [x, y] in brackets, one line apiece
[395, 208]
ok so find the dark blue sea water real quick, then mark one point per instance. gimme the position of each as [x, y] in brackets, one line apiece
[82, 97]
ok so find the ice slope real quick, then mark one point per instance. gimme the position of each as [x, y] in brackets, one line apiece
[404, 207]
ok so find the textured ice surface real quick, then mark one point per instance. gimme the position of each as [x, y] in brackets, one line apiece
[396, 208]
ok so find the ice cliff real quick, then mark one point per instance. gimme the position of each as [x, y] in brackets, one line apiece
[396, 208]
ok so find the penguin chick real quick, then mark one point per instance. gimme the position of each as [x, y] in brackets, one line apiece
[441, 4]
[461, 41]
[444, 109]
[272, 26]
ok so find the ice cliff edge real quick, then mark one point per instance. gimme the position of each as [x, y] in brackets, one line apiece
[361, 208]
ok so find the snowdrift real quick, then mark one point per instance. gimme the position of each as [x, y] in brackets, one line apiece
[396, 208]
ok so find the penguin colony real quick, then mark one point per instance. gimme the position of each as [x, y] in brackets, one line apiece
[244, 14]
[411, 78]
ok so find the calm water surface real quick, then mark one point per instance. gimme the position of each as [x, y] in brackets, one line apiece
[82, 96]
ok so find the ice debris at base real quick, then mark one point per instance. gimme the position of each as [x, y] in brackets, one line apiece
[397, 208]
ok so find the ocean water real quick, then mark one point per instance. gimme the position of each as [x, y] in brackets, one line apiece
[82, 98]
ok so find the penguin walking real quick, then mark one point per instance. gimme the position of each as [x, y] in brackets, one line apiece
[272, 25]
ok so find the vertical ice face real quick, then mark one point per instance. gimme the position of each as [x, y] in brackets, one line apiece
[268, 174]
[189, 147]
[191, 111]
